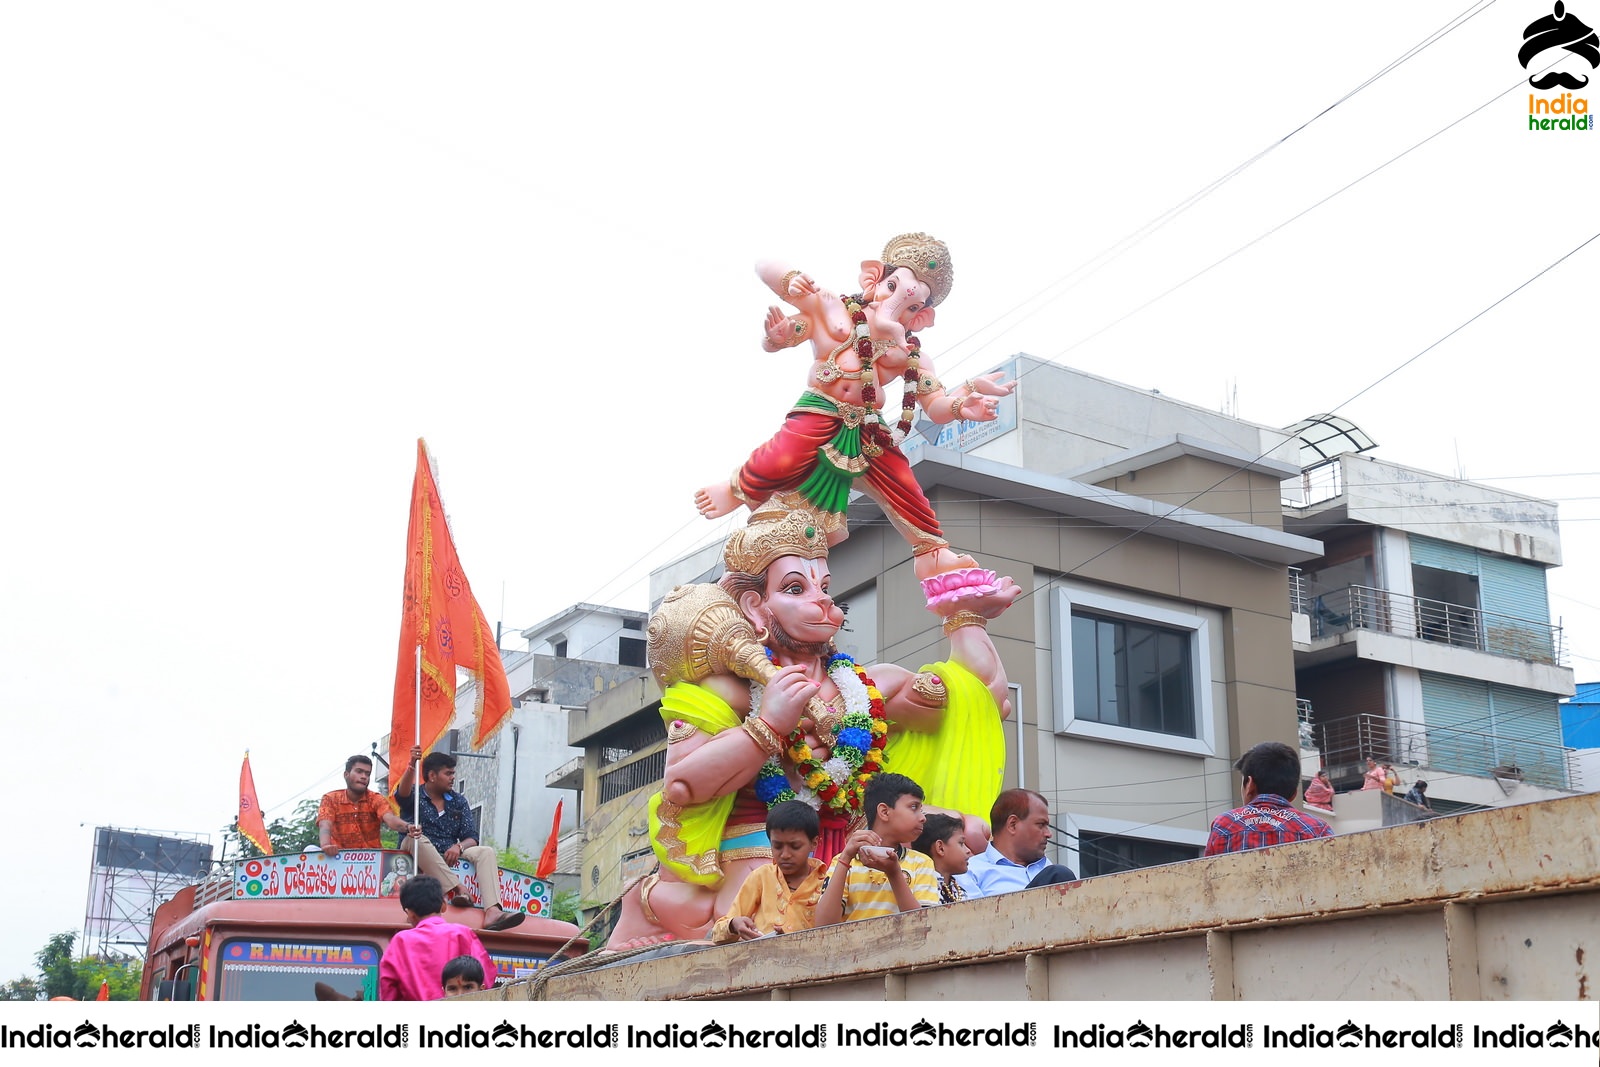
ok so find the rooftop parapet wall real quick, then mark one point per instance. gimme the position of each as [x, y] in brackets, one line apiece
[1465, 513]
[1499, 904]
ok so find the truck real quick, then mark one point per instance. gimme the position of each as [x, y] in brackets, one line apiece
[307, 926]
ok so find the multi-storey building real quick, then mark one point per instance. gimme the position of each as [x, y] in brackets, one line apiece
[1423, 633]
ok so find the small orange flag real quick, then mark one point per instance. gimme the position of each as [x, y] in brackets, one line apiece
[547, 860]
[105, 990]
[440, 613]
[252, 827]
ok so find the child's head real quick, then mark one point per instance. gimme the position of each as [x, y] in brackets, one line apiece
[464, 974]
[944, 840]
[793, 829]
[894, 808]
[421, 897]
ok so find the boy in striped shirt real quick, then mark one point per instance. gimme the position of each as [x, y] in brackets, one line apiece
[875, 873]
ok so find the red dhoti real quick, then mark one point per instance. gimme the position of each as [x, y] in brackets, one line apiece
[792, 456]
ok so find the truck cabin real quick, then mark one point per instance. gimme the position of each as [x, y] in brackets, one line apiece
[307, 927]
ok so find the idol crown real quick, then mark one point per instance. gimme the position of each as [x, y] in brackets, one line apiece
[771, 536]
[927, 258]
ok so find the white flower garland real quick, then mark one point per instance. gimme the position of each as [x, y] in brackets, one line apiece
[853, 692]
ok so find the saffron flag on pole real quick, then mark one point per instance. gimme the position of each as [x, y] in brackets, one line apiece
[440, 615]
[547, 859]
[252, 827]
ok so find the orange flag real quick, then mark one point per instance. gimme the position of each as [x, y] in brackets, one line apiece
[440, 614]
[105, 990]
[547, 860]
[252, 827]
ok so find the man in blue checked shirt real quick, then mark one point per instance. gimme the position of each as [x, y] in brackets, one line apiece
[450, 833]
[1271, 773]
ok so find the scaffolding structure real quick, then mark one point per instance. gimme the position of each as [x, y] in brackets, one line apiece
[132, 872]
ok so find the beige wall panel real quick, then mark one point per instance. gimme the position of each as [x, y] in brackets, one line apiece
[1539, 949]
[1044, 774]
[1170, 969]
[1260, 714]
[1266, 500]
[1179, 483]
[958, 514]
[861, 558]
[1142, 561]
[995, 981]
[902, 608]
[1011, 531]
[1212, 577]
[1257, 649]
[1394, 957]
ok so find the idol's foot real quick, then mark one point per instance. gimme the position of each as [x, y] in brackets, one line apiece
[941, 561]
[647, 941]
[715, 501]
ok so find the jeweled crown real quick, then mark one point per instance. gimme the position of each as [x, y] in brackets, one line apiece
[772, 535]
[927, 258]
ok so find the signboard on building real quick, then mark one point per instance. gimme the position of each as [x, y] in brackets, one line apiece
[367, 873]
[962, 435]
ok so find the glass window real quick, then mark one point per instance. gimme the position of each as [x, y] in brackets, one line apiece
[1132, 674]
[1110, 853]
[291, 970]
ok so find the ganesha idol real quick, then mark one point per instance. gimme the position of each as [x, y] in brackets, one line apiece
[836, 437]
[759, 708]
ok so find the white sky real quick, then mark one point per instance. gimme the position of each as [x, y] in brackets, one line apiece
[249, 253]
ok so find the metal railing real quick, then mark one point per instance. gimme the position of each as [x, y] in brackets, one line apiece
[1360, 607]
[1297, 592]
[1347, 743]
[1313, 486]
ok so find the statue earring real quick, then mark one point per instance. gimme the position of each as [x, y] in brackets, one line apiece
[763, 636]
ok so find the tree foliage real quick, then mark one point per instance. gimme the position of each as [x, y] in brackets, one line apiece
[61, 974]
[291, 833]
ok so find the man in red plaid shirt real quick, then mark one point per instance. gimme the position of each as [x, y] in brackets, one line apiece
[1271, 780]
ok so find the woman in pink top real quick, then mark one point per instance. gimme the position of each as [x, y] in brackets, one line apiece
[1376, 777]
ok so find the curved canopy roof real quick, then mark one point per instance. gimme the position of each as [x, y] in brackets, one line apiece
[1326, 437]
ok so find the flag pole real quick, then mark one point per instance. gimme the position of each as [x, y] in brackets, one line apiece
[416, 772]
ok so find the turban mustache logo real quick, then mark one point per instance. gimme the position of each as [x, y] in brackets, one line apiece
[1559, 30]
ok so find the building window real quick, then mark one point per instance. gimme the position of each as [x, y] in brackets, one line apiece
[560, 648]
[647, 770]
[1130, 672]
[630, 651]
[1111, 853]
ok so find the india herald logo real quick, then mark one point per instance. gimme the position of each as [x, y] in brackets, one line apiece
[1559, 30]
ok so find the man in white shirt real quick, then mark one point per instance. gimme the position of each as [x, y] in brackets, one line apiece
[1015, 859]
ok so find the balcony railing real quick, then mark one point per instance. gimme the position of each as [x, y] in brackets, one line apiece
[1297, 591]
[1313, 486]
[1360, 607]
[1347, 743]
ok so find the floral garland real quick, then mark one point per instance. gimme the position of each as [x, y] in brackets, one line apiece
[839, 781]
[869, 384]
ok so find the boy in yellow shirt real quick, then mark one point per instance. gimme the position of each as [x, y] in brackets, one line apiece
[875, 873]
[782, 897]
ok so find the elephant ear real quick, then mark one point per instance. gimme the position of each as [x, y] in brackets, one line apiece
[921, 320]
[872, 273]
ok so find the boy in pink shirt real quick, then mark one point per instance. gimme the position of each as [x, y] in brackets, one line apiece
[415, 959]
